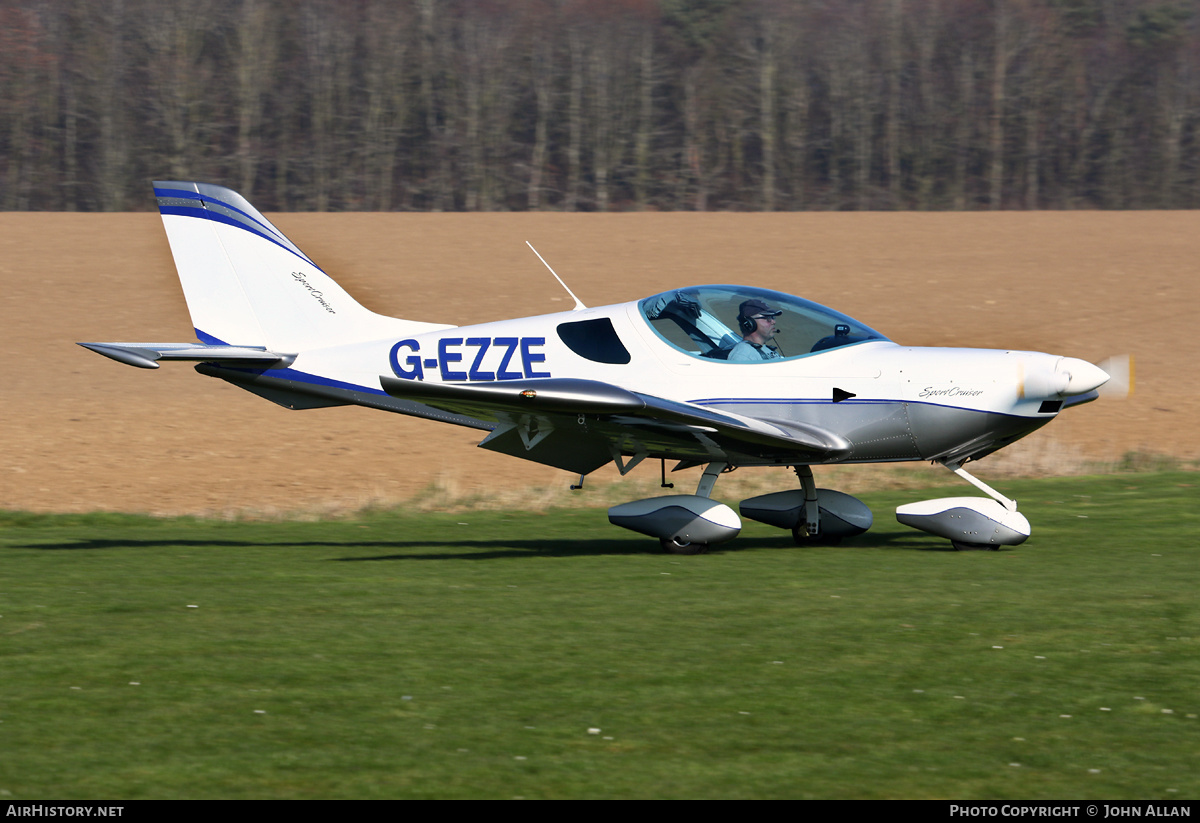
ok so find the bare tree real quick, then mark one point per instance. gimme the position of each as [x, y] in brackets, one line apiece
[25, 82]
[254, 52]
[384, 66]
[645, 122]
[606, 104]
[107, 22]
[767, 54]
[173, 35]
[486, 42]
[542, 77]
[433, 98]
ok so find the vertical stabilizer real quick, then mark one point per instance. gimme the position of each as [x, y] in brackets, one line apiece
[246, 284]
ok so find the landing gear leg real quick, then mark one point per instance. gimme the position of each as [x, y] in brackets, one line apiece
[1006, 502]
[957, 468]
[709, 478]
[808, 531]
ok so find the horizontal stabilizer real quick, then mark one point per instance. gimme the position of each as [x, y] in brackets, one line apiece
[147, 355]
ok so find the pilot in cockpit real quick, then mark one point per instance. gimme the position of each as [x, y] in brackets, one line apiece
[756, 321]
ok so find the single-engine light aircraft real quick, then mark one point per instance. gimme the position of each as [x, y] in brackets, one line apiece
[717, 376]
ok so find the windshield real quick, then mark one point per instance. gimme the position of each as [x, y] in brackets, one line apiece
[704, 321]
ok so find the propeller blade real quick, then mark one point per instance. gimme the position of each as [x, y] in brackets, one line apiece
[1120, 376]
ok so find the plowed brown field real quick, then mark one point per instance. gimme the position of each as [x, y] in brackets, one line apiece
[84, 433]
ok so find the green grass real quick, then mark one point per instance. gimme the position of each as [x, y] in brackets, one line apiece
[468, 655]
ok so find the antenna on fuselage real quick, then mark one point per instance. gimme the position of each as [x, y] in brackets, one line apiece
[578, 303]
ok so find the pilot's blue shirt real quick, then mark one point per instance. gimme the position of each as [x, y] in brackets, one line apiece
[747, 352]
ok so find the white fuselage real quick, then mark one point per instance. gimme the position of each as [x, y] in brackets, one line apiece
[896, 402]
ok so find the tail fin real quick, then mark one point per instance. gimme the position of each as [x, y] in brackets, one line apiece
[246, 284]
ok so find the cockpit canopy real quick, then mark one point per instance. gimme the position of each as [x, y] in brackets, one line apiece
[703, 321]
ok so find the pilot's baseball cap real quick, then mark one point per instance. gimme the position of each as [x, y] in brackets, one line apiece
[757, 308]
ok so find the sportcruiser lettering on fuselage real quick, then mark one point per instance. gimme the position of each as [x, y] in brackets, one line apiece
[953, 391]
[493, 358]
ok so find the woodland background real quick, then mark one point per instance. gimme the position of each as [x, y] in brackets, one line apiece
[603, 105]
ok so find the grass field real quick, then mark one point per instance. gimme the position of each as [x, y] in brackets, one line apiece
[496, 655]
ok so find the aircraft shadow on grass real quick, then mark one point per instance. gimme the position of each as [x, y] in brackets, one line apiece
[486, 549]
[553, 548]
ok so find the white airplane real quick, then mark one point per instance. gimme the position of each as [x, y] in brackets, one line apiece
[719, 376]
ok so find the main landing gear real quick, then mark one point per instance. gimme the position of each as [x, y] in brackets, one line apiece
[683, 523]
[816, 517]
[690, 523]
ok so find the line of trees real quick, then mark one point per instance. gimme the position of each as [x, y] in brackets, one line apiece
[603, 104]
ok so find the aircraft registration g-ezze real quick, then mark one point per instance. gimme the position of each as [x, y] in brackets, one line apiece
[715, 376]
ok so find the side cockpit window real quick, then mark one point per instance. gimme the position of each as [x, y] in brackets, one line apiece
[707, 322]
[595, 340]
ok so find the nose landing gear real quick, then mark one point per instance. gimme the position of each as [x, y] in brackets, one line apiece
[969, 522]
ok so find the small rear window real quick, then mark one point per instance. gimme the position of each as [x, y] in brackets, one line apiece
[595, 340]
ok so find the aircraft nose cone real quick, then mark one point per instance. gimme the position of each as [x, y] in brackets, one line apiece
[1082, 376]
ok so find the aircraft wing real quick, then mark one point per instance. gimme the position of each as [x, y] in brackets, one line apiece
[580, 425]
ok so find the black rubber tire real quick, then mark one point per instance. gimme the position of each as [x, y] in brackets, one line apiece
[964, 546]
[801, 538]
[673, 545]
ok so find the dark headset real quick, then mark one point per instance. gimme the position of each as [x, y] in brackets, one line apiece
[749, 324]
